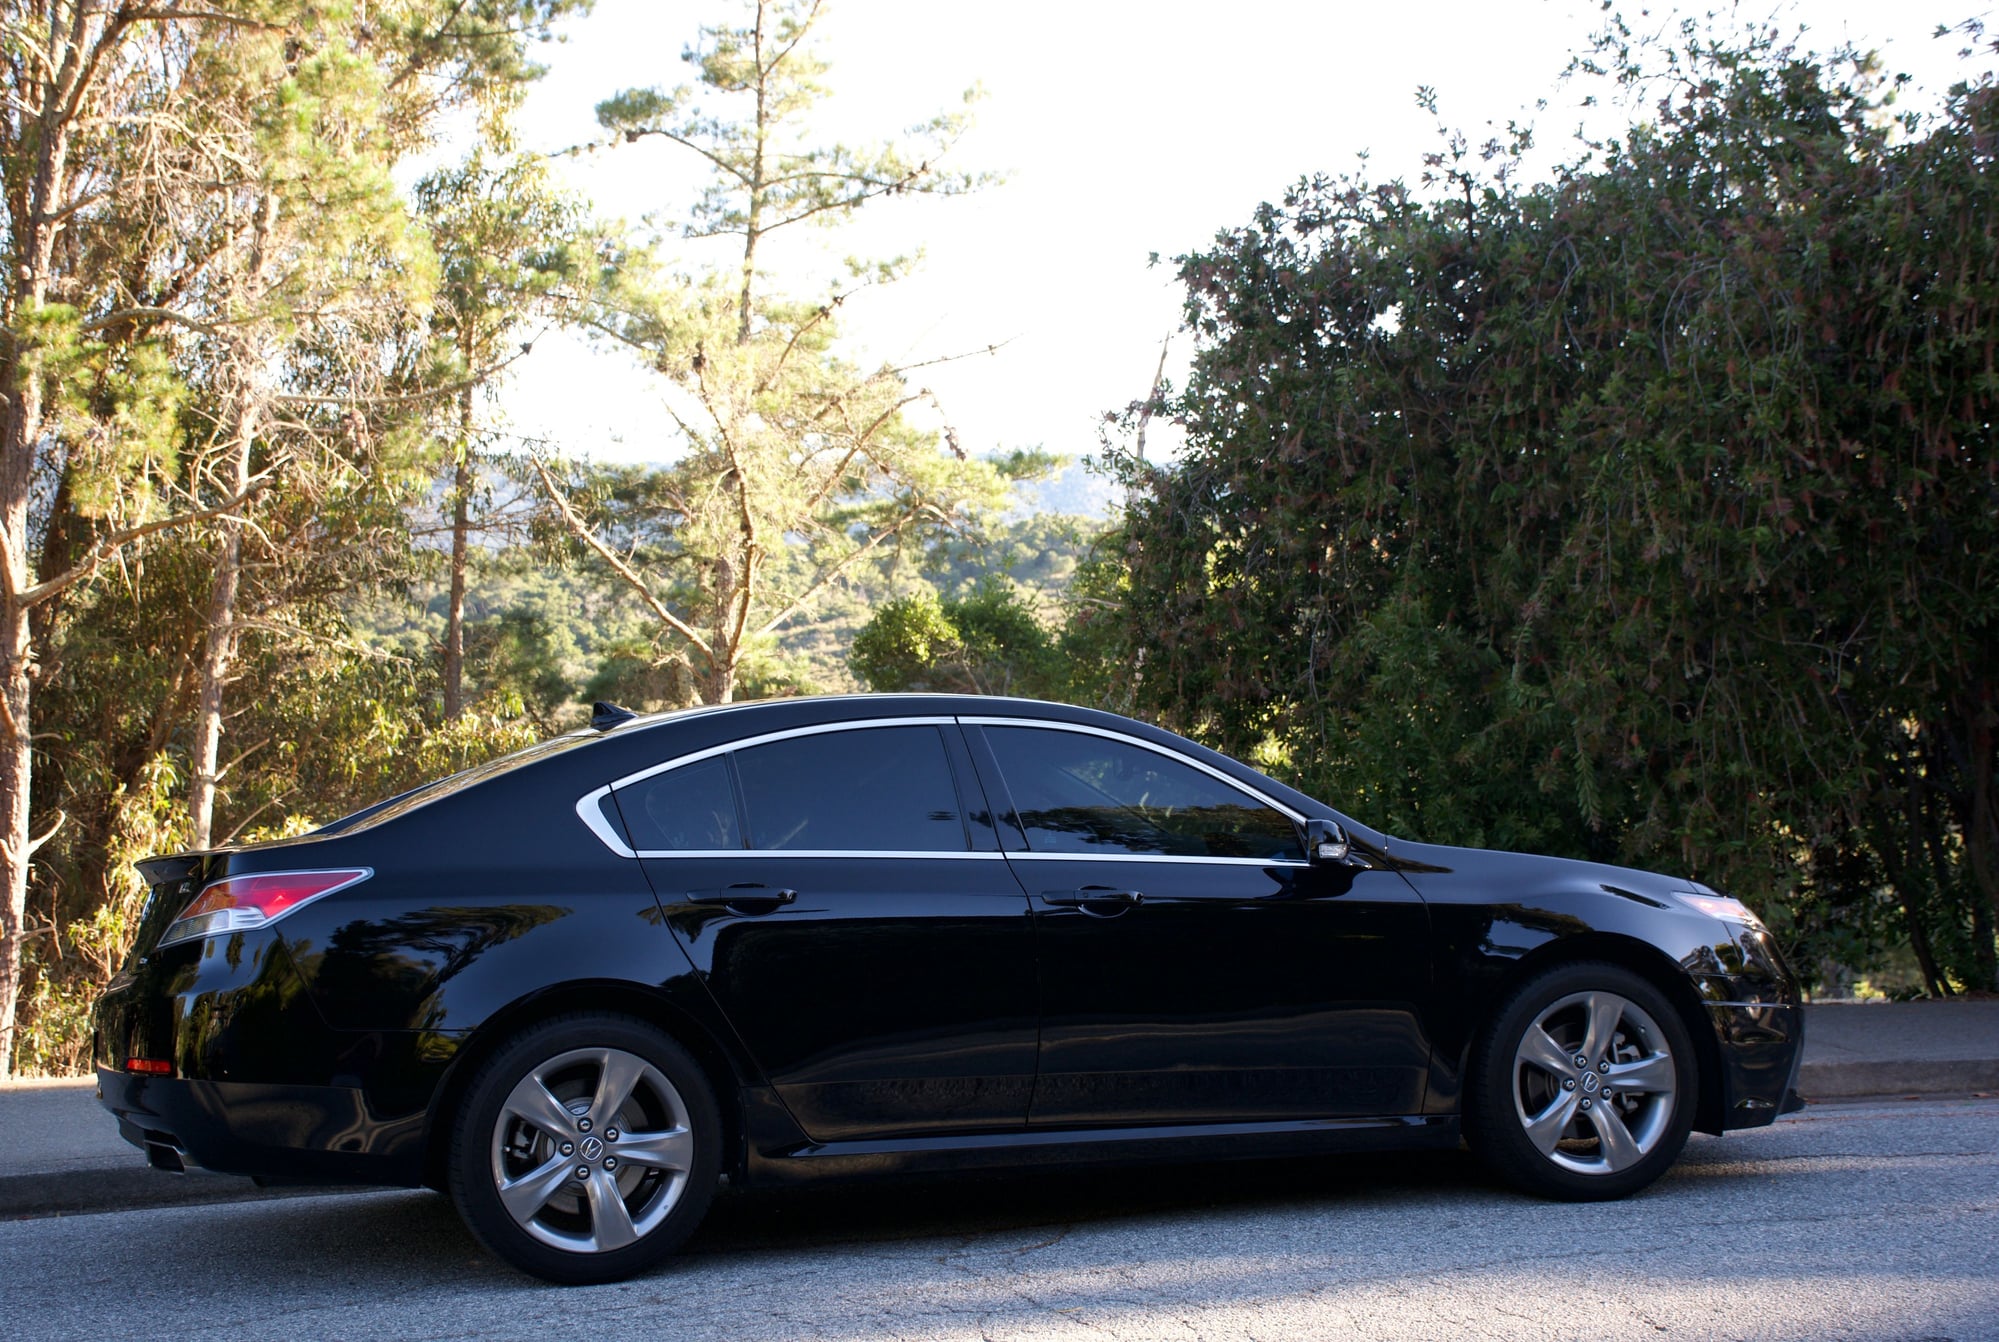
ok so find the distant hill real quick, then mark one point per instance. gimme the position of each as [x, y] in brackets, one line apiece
[1075, 490]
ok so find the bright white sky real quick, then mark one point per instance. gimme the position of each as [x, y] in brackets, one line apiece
[1123, 128]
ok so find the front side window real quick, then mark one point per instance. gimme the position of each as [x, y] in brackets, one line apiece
[872, 789]
[1079, 793]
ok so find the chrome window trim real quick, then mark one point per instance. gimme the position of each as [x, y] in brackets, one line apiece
[816, 730]
[1160, 857]
[952, 855]
[590, 809]
[1296, 817]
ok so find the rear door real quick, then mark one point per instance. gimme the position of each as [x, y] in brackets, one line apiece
[1193, 966]
[842, 890]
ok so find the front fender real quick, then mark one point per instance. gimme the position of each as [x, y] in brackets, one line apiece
[1499, 917]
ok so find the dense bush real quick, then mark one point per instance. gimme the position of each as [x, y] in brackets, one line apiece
[1648, 513]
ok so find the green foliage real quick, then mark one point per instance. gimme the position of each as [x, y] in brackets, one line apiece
[1039, 552]
[1650, 513]
[985, 642]
[519, 666]
[507, 242]
[323, 726]
[910, 644]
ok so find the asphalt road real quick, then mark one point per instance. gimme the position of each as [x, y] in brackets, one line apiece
[1877, 1221]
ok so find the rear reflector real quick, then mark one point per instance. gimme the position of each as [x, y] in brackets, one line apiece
[240, 903]
[149, 1066]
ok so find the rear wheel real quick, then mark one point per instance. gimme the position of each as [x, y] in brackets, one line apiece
[1584, 1085]
[587, 1149]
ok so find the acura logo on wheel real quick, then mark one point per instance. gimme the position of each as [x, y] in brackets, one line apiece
[592, 1148]
[1589, 1087]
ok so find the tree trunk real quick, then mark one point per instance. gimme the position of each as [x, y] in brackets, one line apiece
[749, 278]
[753, 223]
[719, 685]
[1902, 856]
[21, 380]
[16, 753]
[23, 428]
[461, 491]
[454, 615]
[218, 653]
[1981, 834]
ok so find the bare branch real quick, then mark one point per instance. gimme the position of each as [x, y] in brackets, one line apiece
[203, 16]
[721, 164]
[833, 571]
[579, 529]
[476, 378]
[169, 315]
[109, 545]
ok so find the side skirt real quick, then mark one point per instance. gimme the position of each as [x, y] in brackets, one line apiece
[1099, 1146]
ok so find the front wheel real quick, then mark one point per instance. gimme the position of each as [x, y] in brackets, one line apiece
[1584, 1085]
[587, 1149]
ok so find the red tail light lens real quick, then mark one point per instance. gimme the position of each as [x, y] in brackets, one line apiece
[149, 1066]
[240, 903]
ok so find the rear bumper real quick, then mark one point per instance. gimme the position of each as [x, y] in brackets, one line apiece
[1762, 1045]
[256, 1082]
[319, 1134]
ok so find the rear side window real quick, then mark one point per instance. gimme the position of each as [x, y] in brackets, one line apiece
[1079, 793]
[873, 789]
[689, 809]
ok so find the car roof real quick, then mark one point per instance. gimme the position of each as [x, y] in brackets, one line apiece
[901, 702]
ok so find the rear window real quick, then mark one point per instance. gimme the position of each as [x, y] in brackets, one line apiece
[403, 803]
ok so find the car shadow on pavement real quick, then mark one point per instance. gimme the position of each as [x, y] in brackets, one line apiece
[407, 1237]
[404, 1238]
[919, 1206]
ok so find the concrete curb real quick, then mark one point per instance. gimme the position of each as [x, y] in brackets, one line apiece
[25, 1197]
[1857, 1080]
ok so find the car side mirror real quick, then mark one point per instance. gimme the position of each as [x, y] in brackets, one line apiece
[1326, 842]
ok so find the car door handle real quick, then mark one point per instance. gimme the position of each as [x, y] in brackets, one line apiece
[749, 898]
[1092, 897]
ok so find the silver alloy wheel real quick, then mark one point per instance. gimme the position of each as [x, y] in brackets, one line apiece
[1593, 1083]
[591, 1150]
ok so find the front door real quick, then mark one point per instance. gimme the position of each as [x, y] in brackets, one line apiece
[1193, 966]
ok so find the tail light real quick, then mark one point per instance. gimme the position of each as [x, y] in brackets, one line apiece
[241, 903]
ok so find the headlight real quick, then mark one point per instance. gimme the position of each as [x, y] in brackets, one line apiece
[1722, 907]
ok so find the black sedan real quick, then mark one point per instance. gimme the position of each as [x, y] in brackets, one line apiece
[578, 985]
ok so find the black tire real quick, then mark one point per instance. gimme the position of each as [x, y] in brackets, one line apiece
[564, 1099]
[1538, 1118]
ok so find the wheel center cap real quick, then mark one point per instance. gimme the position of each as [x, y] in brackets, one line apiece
[1590, 1084]
[592, 1148]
